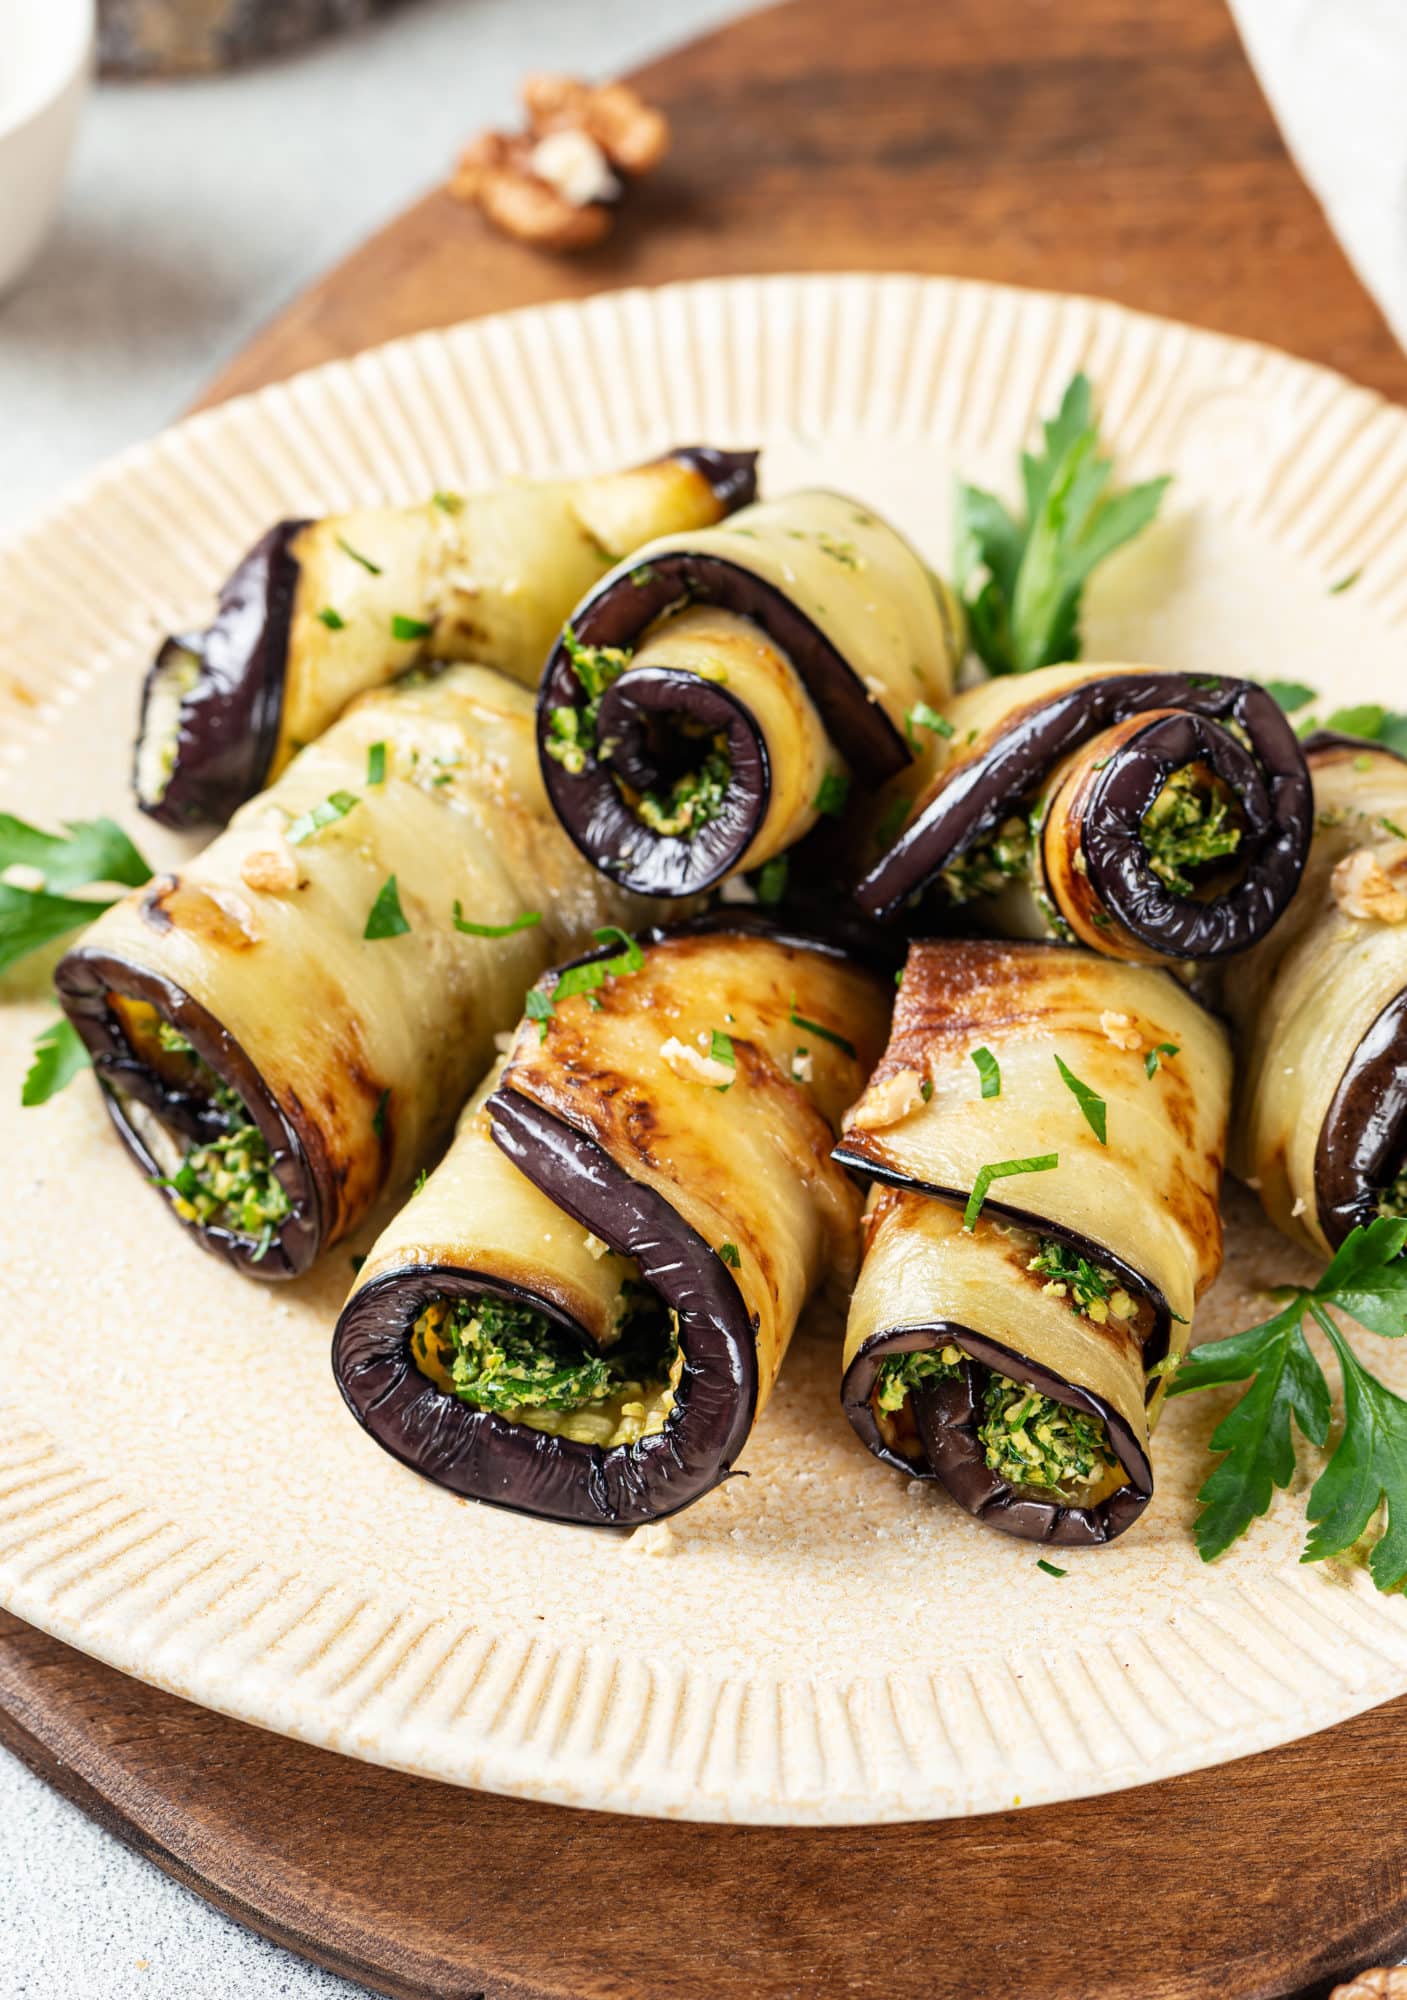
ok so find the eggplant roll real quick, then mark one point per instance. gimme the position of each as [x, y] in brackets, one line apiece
[1320, 1014]
[1025, 1280]
[716, 693]
[583, 1311]
[1156, 817]
[321, 611]
[287, 1027]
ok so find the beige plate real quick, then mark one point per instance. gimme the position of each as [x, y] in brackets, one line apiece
[181, 1492]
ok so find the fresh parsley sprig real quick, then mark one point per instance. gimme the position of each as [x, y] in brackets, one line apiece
[87, 852]
[1022, 582]
[58, 1057]
[1367, 1282]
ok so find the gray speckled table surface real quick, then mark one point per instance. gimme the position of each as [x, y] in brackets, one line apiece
[193, 213]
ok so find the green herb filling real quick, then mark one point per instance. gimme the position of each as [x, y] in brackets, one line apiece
[1091, 1290]
[573, 730]
[985, 869]
[693, 799]
[1190, 824]
[228, 1182]
[1393, 1198]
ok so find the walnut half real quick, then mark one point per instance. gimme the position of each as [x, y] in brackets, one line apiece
[557, 185]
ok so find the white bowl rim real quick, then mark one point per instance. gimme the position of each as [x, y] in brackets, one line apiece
[66, 53]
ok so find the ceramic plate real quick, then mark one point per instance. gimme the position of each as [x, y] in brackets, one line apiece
[181, 1491]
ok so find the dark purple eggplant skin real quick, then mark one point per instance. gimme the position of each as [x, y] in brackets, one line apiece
[617, 614]
[948, 1416]
[84, 978]
[230, 720]
[1272, 787]
[1363, 1140]
[731, 474]
[482, 1456]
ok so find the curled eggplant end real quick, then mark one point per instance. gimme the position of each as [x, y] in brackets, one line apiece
[731, 474]
[1171, 815]
[1360, 1160]
[938, 1437]
[483, 1456]
[165, 1063]
[211, 700]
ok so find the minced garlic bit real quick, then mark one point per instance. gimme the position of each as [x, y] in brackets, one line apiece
[1363, 888]
[595, 1247]
[803, 1065]
[694, 1066]
[886, 1103]
[271, 870]
[1119, 1029]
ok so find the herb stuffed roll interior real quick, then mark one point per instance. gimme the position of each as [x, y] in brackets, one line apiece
[284, 1029]
[717, 693]
[321, 611]
[1320, 1013]
[583, 1311]
[1047, 1130]
[1152, 816]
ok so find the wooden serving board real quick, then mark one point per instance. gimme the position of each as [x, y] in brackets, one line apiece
[1111, 146]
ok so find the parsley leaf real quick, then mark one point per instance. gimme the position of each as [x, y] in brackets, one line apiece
[997, 1170]
[410, 628]
[1345, 582]
[1364, 718]
[921, 716]
[1367, 1280]
[729, 1253]
[1022, 582]
[1096, 1111]
[449, 503]
[772, 880]
[587, 978]
[815, 1028]
[326, 812]
[333, 620]
[59, 1055]
[357, 556]
[1152, 1061]
[89, 850]
[386, 919]
[989, 1070]
[720, 1049]
[833, 793]
[1050, 1568]
[376, 764]
[29, 919]
[1292, 695]
[523, 923]
[538, 1007]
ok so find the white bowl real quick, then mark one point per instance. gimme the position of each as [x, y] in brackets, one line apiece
[46, 66]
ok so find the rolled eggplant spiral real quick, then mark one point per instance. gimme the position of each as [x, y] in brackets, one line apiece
[1155, 817]
[1320, 1014]
[1047, 1129]
[716, 693]
[321, 611]
[582, 1313]
[287, 1027]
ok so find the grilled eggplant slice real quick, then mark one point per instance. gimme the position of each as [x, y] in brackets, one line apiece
[1320, 1013]
[582, 1313]
[1007, 1330]
[717, 692]
[271, 1064]
[1154, 817]
[321, 611]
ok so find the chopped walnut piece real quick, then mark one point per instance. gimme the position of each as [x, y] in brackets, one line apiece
[556, 185]
[1380, 1983]
[1119, 1029]
[886, 1103]
[271, 870]
[1363, 888]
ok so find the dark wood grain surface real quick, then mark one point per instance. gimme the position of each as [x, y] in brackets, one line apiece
[1112, 146]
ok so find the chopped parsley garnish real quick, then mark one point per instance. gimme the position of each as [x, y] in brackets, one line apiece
[1292, 695]
[921, 716]
[386, 918]
[1367, 1469]
[1050, 1568]
[1022, 581]
[815, 1028]
[88, 851]
[449, 503]
[572, 731]
[376, 764]
[410, 628]
[1345, 582]
[1096, 1111]
[1091, 1290]
[989, 864]
[729, 1253]
[59, 1055]
[587, 978]
[525, 922]
[229, 1182]
[420, 1180]
[357, 556]
[333, 620]
[989, 1071]
[1152, 1063]
[720, 1050]
[326, 813]
[538, 1007]
[833, 793]
[1031, 1440]
[693, 800]
[378, 1116]
[899, 1373]
[997, 1170]
[772, 880]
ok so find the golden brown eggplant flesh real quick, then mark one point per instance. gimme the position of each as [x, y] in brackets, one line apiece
[270, 1065]
[1152, 816]
[609, 1150]
[1319, 1011]
[717, 693]
[1055, 1302]
[321, 611]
